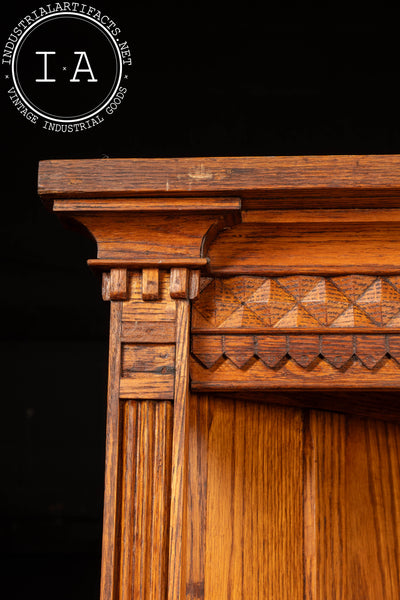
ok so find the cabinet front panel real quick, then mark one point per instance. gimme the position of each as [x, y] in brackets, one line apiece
[291, 503]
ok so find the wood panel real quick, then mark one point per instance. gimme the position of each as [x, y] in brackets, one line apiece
[308, 248]
[249, 176]
[146, 483]
[245, 501]
[353, 470]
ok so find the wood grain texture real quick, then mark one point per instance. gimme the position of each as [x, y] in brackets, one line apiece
[143, 311]
[146, 237]
[312, 248]
[147, 358]
[146, 455]
[290, 375]
[148, 331]
[245, 501]
[147, 386]
[356, 472]
[111, 511]
[154, 205]
[315, 215]
[307, 302]
[383, 405]
[150, 284]
[199, 424]
[165, 263]
[194, 284]
[178, 523]
[251, 493]
[105, 286]
[326, 175]
[118, 284]
[337, 360]
[179, 283]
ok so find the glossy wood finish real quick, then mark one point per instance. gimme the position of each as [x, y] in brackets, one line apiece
[277, 281]
[147, 437]
[180, 461]
[353, 482]
[308, 248]
[256, 472]
[245, 516]
[145, 485]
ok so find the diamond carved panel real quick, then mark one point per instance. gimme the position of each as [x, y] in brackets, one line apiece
[351, 301]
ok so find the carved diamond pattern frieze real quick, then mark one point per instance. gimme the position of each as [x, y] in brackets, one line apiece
[325, 302]
[353, 286]
[270, 302]
[381, 301]
[340, 351]
[298, 301]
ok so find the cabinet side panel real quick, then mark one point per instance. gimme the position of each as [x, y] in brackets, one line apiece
[357, 510]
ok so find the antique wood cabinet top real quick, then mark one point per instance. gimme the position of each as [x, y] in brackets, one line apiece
[248, 296]
[293, 262]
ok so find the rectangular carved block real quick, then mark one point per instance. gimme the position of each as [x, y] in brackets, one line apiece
[148, 331]
[150, 283]
[118, 284]
[141, 311]
[179, 283]
[147, 386]
[148, 358]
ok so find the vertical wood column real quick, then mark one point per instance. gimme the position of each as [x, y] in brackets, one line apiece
[147, 434]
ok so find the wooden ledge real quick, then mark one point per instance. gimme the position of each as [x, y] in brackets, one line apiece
[148, 205]
[376, 177]
[161, 263]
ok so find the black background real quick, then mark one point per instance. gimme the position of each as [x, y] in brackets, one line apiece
[261, 79]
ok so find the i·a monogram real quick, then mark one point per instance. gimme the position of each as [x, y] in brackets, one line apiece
[82, 57]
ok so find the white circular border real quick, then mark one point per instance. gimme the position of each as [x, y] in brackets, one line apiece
[74, 120]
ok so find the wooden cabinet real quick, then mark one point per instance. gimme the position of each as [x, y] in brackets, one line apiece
[253, 417]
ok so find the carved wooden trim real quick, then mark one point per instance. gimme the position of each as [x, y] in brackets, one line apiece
[146, 435]
[296, 331]
[362, 302]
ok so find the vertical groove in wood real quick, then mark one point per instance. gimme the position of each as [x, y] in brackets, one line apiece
[161, 479]
[309, 496]
[109, 562]
[328, 431]
[177, 547]
[145, 500]
[130, 435]
[199, 424]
